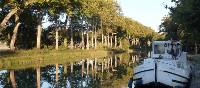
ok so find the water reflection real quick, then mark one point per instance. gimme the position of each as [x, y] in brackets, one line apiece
[12, 78]
[112, 71]
[38, 76]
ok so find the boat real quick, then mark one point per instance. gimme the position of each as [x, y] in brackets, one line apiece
[167, 67]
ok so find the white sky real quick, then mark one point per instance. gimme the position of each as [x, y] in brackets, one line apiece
[147, 12]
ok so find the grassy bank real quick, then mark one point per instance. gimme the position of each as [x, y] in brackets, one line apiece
[194, 58]
[195, 61]
[31, 58]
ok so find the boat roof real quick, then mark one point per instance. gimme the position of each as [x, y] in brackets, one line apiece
[163, 42]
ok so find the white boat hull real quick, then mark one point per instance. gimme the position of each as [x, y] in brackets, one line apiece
[167, 66]
[158, 72]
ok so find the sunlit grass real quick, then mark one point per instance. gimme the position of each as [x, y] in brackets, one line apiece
[35, 57]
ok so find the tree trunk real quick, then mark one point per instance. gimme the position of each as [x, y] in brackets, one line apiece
[57, 39]
[108, 41]
[72, 41]
[102, 67]
[111, 41]
[111, 62]
[120, 43]
[95, 68]
[105, 40]
[196, 47]
[65, 42]
[92, 66]
[12, 78]
[82, 42]
[115, 61]
[82, 73]
[14, 36]
[39, 32]
[65, 68]
[72, 67]
[65, 38]
[56, 72]
[95, 65]
[132, 42]
[132, 58]
[95, 38]
[108, 63]
[92, 40]
[9, 36]
[88, 66]
[115, 41]
[8, 16]
[88, 46]
[38, 77]
[102, 39]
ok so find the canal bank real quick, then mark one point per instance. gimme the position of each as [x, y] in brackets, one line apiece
[30, 58]
[195, 61]
[108, 72]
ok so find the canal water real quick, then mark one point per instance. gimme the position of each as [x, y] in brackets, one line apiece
[109, 72]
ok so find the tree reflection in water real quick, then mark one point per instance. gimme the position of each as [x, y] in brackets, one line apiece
[107, 72]
[18, 79]
[38, 76]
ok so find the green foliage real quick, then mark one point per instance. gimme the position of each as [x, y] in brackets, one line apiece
[125, 44]
[136, 29]
[103, 16]
[183, 22]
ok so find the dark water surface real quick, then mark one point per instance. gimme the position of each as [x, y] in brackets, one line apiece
[108, 72]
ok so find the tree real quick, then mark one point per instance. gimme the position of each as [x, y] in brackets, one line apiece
[8, 16]
[12, 43]
[98, 17]
[184, 19]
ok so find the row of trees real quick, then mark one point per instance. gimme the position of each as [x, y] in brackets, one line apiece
[72, 23]
[183, 23]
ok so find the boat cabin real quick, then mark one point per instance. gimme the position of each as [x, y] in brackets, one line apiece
[165, 49]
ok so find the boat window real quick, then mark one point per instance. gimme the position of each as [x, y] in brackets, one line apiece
[175, 50]
[159, 49]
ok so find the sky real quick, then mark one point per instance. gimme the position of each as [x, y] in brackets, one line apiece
[147, 12]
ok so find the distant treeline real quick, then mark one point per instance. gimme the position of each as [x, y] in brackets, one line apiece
[73, 24]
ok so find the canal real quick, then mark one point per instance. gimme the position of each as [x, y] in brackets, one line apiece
[108, 72]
